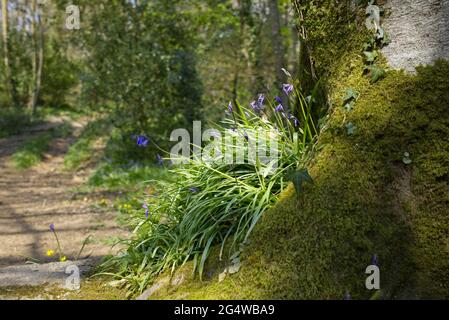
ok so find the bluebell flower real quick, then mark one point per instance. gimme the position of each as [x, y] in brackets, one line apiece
[258, 105]
[296, 122]
[230, 108]
[160, 160]
[279, 108]
[374, 260]
[52, 227]
[254, 106]
[260, 100]
[194, 190]
[278, 99]
[147, 210]
[142, 141]
[288, 88]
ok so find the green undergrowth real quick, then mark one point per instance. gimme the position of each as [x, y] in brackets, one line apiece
[132, 178]
[13, 121]
[32, 151]
[85, 150]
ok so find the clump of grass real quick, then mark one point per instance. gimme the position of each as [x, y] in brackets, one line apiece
[83, 149]
[129, 177]
[213, 203]
[32, 152]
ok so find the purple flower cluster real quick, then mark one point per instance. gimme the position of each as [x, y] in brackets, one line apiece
[288, 88]
[258, 105]
[142, 141]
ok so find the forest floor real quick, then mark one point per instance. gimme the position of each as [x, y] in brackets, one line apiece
[34, 198]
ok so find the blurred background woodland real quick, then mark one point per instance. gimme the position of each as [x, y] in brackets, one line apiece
[150, 66]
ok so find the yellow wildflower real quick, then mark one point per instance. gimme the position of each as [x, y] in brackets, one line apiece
[50, 253]
[63, 259]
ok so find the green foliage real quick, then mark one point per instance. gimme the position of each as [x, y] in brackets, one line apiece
[351, 95]
[371, 56]
[350, 99]
[142, 59]
[375, 42]
[298, 178]
[131, 177]
[59, 78]
[376, 72]
[350, 128]
[59, 75]
[211, 203]
[13, 121]
[82, 151]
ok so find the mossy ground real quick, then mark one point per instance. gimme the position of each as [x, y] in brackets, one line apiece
[365, 200]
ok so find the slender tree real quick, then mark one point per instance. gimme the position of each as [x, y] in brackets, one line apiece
[276, 37]
[37, 30]
[7, 66]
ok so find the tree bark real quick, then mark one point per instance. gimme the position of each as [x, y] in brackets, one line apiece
[276, 38]
[419, 30]
[38, 58]
[7, 66]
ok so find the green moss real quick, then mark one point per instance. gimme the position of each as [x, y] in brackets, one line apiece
[365, 199]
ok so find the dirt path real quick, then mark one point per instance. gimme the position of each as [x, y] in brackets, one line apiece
[31, 200]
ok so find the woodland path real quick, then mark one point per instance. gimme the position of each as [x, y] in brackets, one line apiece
[32, 199]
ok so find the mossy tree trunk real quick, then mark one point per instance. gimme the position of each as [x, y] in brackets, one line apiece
[401, 130]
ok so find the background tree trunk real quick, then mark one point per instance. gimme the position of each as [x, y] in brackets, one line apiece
[38, 58]
[276, 38]
[419, 30]
[5, 26]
